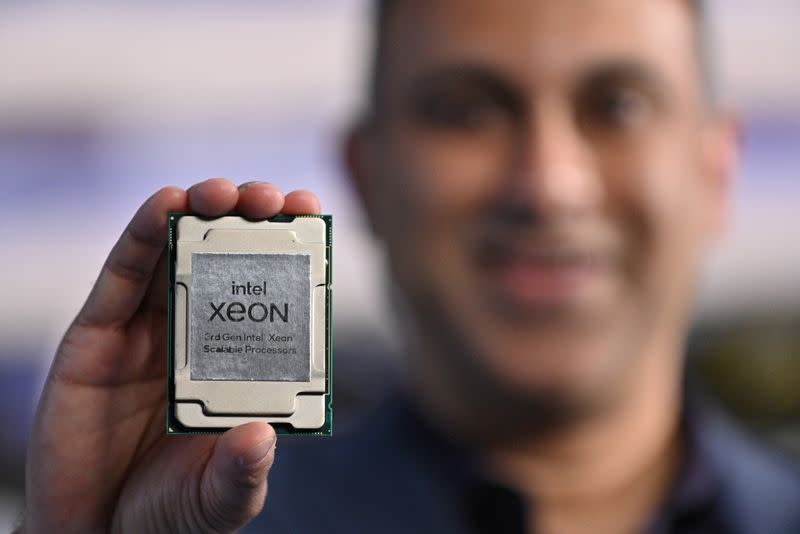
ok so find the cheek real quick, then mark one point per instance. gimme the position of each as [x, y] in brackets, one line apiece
[437, 186]
[449, 175]
[656, 196]
[642, 186]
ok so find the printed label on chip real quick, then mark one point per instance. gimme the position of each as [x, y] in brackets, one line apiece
[250, 317]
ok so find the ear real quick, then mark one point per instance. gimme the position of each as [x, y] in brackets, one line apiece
[721, 154]
[358, 156]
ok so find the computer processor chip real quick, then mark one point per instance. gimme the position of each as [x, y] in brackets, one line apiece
[249, 308]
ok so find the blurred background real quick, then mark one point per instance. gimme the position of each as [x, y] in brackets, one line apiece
[104, 102]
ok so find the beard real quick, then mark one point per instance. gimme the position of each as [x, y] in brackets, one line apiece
[470, 399]
[588, 352]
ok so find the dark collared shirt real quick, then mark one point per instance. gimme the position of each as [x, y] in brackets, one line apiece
[396, 474]
[691, 506]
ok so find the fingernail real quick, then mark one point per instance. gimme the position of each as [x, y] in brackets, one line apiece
[247, 185]
[257, 454]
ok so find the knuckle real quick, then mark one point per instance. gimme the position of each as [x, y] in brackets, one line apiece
[169, 190]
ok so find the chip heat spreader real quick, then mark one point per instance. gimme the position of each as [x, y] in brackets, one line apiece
[250, 324]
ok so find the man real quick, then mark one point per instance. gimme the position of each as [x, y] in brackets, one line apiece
[546, 176]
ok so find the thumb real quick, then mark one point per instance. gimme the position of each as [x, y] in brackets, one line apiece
[234, 483]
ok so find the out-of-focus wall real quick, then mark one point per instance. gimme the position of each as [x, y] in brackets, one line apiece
[102, 103]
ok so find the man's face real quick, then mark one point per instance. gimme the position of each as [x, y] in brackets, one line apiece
[543, 179]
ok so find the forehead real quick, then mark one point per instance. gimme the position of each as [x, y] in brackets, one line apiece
[540, 38]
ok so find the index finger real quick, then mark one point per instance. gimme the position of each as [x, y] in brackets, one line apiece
[127, 272]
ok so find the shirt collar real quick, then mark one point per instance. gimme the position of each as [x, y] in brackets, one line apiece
[691, 498]
[695, 492]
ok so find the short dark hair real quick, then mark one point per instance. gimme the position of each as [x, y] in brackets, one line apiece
[382, 12]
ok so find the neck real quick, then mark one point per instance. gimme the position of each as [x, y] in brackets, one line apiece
[607, 473]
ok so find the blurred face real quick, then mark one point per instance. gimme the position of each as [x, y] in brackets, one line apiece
[543, 177]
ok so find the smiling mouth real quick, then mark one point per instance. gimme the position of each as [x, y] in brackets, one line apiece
[537, 276]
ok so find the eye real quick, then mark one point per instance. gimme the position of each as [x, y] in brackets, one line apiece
[464, 110]
[620, 108]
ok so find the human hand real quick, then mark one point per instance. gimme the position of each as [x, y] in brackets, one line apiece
[99, 459]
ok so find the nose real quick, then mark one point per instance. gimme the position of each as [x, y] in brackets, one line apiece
[554, 174]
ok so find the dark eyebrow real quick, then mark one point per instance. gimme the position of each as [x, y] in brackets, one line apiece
[469, 75]
[625, 73]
